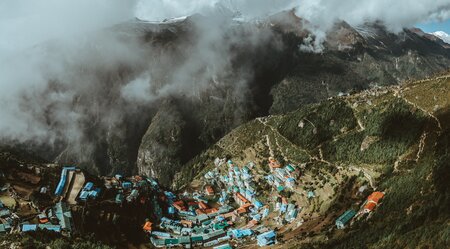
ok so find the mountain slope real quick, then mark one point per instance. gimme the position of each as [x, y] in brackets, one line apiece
[391, 139]
[285, 78]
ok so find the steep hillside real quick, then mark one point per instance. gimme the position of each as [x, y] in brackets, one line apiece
[390, 139]
[284, 78]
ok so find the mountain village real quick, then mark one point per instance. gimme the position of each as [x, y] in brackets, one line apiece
[236, 204]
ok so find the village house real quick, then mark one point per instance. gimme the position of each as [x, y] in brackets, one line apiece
[345, 218]
[266, 239]
[240, 199]
[273, 163]
[209, 190]
[372, 201]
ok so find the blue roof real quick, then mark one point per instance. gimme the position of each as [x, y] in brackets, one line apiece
[161, 234]
[62, 180]
[258, 204]
[239, 233]
[266, 238]
[169, 195]
[127, 184]
[88, 186]
[84, 195]
[50, 227]
[269, 234]
[5, 212]
[29, 227]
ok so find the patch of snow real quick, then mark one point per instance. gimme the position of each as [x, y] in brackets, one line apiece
[442, 35]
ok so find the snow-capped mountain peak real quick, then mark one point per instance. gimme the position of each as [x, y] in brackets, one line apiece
[442, 35]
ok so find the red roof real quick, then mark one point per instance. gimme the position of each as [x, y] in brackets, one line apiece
[375, 197]
[199, 211]
[252, 223]
[241, 210]
[147, 226]
[228, 215]
[211, 210]
[370, 206]
[275, 164]
[241, 197]
[179, 205]
[192, 203]
[203, 205]
[209, 190]
[246, 205]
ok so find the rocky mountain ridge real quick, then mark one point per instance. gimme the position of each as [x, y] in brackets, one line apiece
[265, 72]
[286, 79]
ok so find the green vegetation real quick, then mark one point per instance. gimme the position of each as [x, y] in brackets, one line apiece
[414, 213]
[395, 125]
[320, 123]
[379, 139]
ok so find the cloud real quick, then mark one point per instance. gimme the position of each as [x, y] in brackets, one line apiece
[62, 73]
[43, 49]
[158, 10]
[395, 15]
[138, 89]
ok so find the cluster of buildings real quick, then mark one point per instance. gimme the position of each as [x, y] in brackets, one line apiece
[57, 218]
[129, 189]
[282, 177]
[369, 205]
[89, 192]
[32, 215]
[225, 209]
[6, 218]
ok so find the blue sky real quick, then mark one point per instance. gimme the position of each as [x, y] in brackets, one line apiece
[436, 26]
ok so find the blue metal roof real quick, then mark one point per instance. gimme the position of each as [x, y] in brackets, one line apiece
[88, 186]
[50, 227]
[29, 227]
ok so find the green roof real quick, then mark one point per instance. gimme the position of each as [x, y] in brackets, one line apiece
[64, 216]
[184, 240]
[218, 226]
[2, 228]
[171, 241]
[225, 246]
[348, 215]
[289, 167]
[197, 238]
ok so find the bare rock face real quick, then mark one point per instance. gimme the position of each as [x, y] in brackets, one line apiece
[161, 145]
